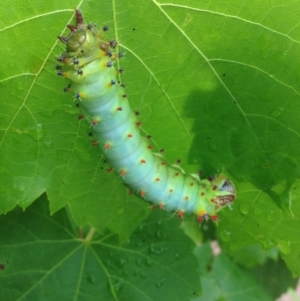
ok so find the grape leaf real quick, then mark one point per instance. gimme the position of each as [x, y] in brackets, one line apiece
[216, 83]
[48, 258]
[228, 282]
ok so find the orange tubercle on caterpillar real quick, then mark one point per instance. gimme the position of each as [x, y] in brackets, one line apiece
[107, 145]
[122, 172]
[180, 214]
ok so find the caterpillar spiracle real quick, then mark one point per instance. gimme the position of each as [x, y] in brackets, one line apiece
[88, 64]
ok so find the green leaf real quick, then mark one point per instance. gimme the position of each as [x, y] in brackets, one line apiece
[46, 258]
[217, 85]
[253, 255]
[257, 219]
[275, 277]
[227, 282]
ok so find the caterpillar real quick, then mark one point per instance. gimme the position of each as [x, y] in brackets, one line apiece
[88, 63]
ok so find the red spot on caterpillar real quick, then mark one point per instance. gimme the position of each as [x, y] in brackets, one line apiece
[192, 184]
[202, 194]
[176, 174]
[180, 214]
[214, 187]
[138, 123]
[163, 163]
[157, 179]
[161, 206]
[153, 207]
[122, 173]
[95, 122]
[107, 145]
[199, 219]
[186, 198]
[202, 216]
[130, 192]
[2, 266]
[143, 161]
[150, 146]
[81, 116]
[110, 169]
[129, 135]
[210, 178]
[214, 218]
[143, 193]
[171, 190]
[95, 143]
[119, 109]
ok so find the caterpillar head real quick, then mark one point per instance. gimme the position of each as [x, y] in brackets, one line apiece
[81, 38]
[224, 191]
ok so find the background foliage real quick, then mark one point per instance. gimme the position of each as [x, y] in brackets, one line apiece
[217, 85]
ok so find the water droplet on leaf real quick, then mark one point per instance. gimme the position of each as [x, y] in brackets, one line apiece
[285, 247]
[143, 275]
[212, 145]
[90, 279]
[225, 235]
[115, 285]
[270, 216]
[257, 211]
[156, 249]
[276, 112]
[20, 86]
[160, 283]
[244, 208]
[149, 261]
[47, 144]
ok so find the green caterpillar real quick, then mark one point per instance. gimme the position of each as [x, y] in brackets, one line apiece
[88, 65]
